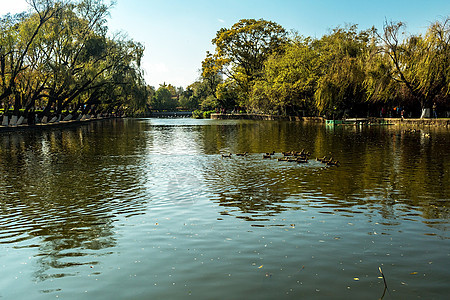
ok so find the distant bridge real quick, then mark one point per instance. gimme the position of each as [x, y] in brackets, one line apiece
[171, 114]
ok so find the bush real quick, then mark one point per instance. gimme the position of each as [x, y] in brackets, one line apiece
[210, 103]
[207, 114]
[197, 114]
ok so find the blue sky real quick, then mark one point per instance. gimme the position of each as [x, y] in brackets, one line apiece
[177, 33]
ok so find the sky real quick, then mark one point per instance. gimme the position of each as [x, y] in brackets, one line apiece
[177, 33]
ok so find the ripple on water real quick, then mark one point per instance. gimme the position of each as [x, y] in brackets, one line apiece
[83, 219]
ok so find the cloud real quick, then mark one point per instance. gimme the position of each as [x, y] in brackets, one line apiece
[221, 21]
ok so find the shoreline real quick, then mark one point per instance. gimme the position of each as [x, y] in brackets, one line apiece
[439, 122]
[41, 126]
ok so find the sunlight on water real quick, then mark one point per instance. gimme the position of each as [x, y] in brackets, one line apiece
[149, 208]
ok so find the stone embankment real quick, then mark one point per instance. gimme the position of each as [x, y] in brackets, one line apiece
[25, 126]
[440, 122]
[265, 117]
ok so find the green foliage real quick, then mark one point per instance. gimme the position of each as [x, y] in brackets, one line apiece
[60, 56]
[197, 114]
[198, 95]
[200, 114]
[289, 81]
[228, 94]
[210, 103]
[420, 64]
[242, 50]
[346, 70]
[164, 99]
[341, 85]
[207, 114]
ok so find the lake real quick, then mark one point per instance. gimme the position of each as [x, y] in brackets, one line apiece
[149, 209]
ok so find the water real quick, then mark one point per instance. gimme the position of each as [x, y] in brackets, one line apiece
[149, 209]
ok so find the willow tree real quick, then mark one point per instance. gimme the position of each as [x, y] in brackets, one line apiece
[18, 37]
[242, 50]
[380, 87]
[78, 39]
[289, 79]
[211, 72]
[421, 64]
[340, 86]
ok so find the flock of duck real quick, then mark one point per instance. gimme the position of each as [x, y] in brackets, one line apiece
[292, 156]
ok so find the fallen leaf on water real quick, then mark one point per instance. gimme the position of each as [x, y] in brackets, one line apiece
[356, 278]
[260, 266]
[413, 273]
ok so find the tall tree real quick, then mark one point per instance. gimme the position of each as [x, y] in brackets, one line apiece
[242, 50]
[420, 64]
[341, 84]
[163, 99]
[19, 34]
[289, 79]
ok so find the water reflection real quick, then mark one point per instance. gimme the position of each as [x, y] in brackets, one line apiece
[381, 167]
[62, 190]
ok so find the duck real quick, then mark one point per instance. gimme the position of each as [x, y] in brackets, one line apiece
[300, 155]
[302, 160]
[270, 153]
[333, 163]
[325, 161]
[267, 156]
[306, 153]
[226, 155]
[242, 154]
[321, 159]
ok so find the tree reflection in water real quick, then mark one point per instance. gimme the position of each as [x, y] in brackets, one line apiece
[64, 189]
[391, 171]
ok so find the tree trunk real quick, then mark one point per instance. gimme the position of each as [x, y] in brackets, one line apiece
[17, 107]
[425, 106]
[75, 110]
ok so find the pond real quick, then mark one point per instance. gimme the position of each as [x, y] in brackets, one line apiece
[149, 209]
